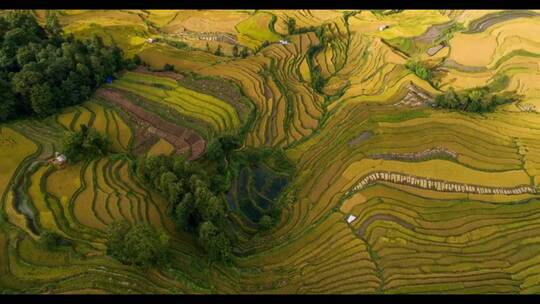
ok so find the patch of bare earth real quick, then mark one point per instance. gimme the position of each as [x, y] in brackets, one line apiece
[433, 32]
[152, 126]
[415, 97]
[360, 138]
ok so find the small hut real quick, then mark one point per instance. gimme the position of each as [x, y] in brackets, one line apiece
[58, 160]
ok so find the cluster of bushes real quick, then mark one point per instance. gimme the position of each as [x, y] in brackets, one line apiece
[237, 53]
[476, 100]
[86, 143]
[317, 80]
[42, 70]
[192, 202]
[168, 67]
[421, 71]
[138, 244]
[292, 29]
[52, 240]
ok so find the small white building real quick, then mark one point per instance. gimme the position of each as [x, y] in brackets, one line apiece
[284, 42]
[351, 218]
[149, 40]
[383, 27]
[59, 159]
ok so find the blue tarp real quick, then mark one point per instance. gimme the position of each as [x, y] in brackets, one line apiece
[109, 79]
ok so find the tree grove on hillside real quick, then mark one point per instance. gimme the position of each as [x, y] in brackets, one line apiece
[42, 70]
[476, 100]
[192, 203]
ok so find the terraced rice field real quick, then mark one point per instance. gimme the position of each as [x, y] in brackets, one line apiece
[216, 113]
[104, 120]
[389, 194]
[256, 29]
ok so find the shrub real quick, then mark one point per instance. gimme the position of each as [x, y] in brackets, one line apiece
[419, 70]
[51, 240]
[218, 51]
[168, 67]
[266, 222]
[291, 25]
[244, 53]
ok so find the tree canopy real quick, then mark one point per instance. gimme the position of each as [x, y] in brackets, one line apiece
[86, 143]
[42, 70]
[192, 203]
[138, 244]
[476, 100]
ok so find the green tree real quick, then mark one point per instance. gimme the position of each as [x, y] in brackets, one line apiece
[42, 100]
[419, 70]
[51, 240]
[214, 150]
[140, 244]
[218, 51]
[52, 25]
[145, 246]
[23, 81]
[244, 53]
[86, 143]
[266, 222]
[168, 67]
[8, 102]
[48, 70]
[291, 25]
[116, 234]
[167, 178]
[215, 242]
